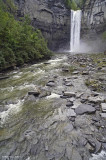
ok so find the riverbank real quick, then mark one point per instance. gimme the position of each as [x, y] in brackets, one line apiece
[55, 109]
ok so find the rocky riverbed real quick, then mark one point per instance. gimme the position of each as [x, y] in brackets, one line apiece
[55, 110]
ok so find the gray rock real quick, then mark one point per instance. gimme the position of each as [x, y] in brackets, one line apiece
[69, 94]
[46, 62]
[65, 69]
[50, 84]
[35, 92]
[44, 94]
[85, 73]
[97, 99]
[68, 128]
[31, 98]
[95, 144]
[69, 104]
[76, 155]
[84, 108]
[76, 72]
[3, 108]
[69, 84]
[70, 113]
[103, 115]
[103, 105]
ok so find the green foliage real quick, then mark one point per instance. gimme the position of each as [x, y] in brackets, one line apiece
[19, 42]
[71, 4]
[80, 3]
[75, 4]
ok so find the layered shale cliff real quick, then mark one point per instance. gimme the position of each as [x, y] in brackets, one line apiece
[51, 17]
[94, 18]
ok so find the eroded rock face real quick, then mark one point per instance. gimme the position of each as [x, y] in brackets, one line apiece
[51, 17]
[94, 17]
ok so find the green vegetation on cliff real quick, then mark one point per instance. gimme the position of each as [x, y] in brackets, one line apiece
[19, 42]
[75, 4]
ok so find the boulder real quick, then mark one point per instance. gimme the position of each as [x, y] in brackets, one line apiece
[35, 92]
[50, 84]
[103, 115]
[69, 104]
[69, 94]
[69, 84]
[103, 105]
[84, 108]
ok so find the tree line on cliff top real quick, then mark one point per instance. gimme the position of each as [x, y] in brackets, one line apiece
[75, 4]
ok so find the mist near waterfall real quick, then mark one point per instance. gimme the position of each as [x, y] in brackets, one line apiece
[92, 46]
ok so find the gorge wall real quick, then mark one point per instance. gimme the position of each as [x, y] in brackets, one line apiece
[94, 18]
[51, 17]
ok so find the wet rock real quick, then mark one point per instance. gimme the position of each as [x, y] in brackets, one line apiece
[50, 84]
[11, 102]
[31, 136]
[75, 155]
[76, 72]
[103, 105]
[44, 94]
[64, 97]
[97, 99]
[69, 104]
[69, 84]
[33, 149]
[104, 146]
[31, 98]
[4, 77]
[84, 108]
[69, 94]
[51, 81]
[70, 113]
[95, 144]
[101, 139]
[65, 69]
[46, 147]
[46, 63]
[36, 92]
[90, 148]
[97, 124]
[3, 108]
[85, 73]
[72, 99]
[82, 141]
[72, 119]
[95, 119]
[103, 115]
[68, 128]
[68, 151]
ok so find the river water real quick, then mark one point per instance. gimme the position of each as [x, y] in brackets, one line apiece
[41, 128]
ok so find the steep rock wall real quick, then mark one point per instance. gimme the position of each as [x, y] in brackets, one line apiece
[51, 17]
[94, 18]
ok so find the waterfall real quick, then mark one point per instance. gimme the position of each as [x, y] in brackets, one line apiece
[75, 27]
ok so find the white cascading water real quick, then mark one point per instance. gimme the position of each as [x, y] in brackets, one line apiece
[75, 27]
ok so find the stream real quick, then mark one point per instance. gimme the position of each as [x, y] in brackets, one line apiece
[48, 111]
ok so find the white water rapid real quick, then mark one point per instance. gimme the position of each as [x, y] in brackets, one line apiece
[75, 27]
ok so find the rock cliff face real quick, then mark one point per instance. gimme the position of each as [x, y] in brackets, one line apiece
[94, 18]
[51, 17]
